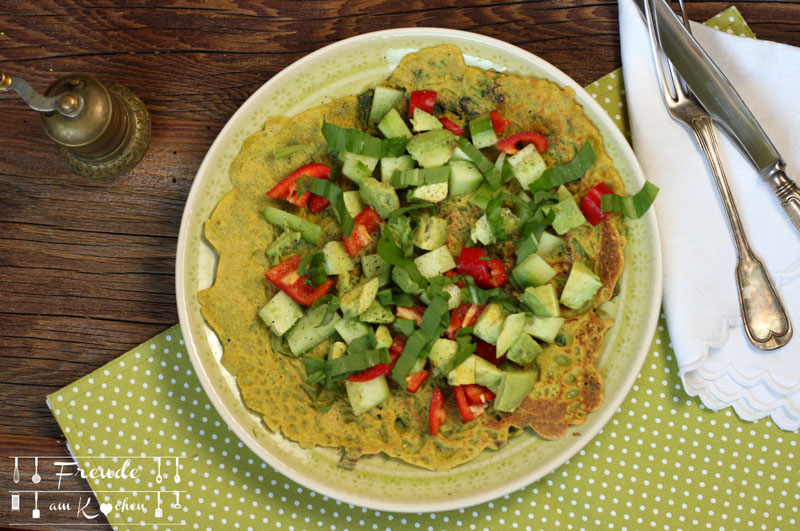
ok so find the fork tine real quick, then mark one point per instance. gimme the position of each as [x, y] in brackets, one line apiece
[685, 17]
[670, 91]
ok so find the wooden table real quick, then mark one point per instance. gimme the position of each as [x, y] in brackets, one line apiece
[86, 267]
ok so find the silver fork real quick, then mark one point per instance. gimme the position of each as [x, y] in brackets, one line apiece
[765, 320]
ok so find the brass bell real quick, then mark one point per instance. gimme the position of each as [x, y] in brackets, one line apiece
[102, 130]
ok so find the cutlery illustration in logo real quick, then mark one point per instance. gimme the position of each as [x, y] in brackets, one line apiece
[158, 477]
[177, 504]
[35, 513]
[177, 473]
[158, 507]
[15, 501]
[36, 478]
[16, 470]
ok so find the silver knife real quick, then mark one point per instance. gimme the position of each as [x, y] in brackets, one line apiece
[726, 107]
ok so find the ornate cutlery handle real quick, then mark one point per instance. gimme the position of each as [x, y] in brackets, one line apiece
[788, 194]
[765, 320]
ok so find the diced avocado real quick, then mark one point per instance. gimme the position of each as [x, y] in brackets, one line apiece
[357, 167]
[309, 331]
[514, 389]
[377, 314]
[281, 313]
[465, 177]
[454, 301]
[357, 300]
[490, 322]
[436, 262]
[464, 373]
[581, 286]
[482, 232]
[483, 195]
[442, 351]
[609, 309]
[337, 350]
[431, 232]
[487, 374]
[403, 281]
[527, 165]
[544, 328]
[563, 194]
[309, 231]
[383, 99]
[542, 300]
[423, 121]
[432, 148]
[548, 243]
[533, 271]
[351, 329]
[374, 266]
[392, 125]
[482, 132]
[366, 395]
[352, 202]
[512, 328]
[390, 164]
[284, 244]
[337, 260]
[418, 365]
[524, 350]
[458, 154]
[383, 338]
[380, 196]
[567, 215]
[433, 193]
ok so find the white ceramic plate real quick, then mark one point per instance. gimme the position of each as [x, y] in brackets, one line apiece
[349, 67]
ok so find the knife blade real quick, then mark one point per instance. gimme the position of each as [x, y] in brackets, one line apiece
[726, 107]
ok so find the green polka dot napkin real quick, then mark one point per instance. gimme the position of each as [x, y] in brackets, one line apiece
[662, 462]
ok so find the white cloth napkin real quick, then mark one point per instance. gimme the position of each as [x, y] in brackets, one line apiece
[715, 359]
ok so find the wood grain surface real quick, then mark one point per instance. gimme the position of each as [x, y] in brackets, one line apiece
[86, 267]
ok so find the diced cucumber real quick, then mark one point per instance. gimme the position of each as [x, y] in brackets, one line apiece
[548, 243]
[464, 373]
[541, 300]
[309, 231]
[352, 202]
[376, 314]
[490, 323]
[432, 193]
[392, 125]
[391, 164]
[483, 195]
[465, 177]
[567, 215]
[458, 154]
[403, 281]
[383, 99]
[381, 196]
[482, 232]
[364, 396]
[357, 167]
[527, 165]
[309, 331]
[423, 121]
[524, 350]
[482, 132]
[544, 328]
[337, 261]
[420, 176]
[351, 329]
[431, 232]
[512, 328]
[357, 300]
[582, 284]
[373, 265]
[432, 148]
[454, 292]
[281, 313]
[533, 271]
[491, 174]
[286, 243]
[436, 262]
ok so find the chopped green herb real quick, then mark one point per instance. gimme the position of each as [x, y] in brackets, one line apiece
[282, 153]
[332, 193]
[565, 173]
[631, 206]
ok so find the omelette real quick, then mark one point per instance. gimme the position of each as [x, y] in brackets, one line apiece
[432, 427]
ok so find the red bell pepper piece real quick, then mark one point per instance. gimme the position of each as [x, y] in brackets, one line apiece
[465, 315]
[317, 203]
[436, 412]
[398, 344]
[488, 352]
[411, 312]
[448, 124]
[370, 374]
[477, 395]
[468, 412]
[487, 273]
[287, 188]
[416, 380]
[364, 224]
[510, 144]
[590, 206]
[498, 123]
[286, 277]
[421, 99]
